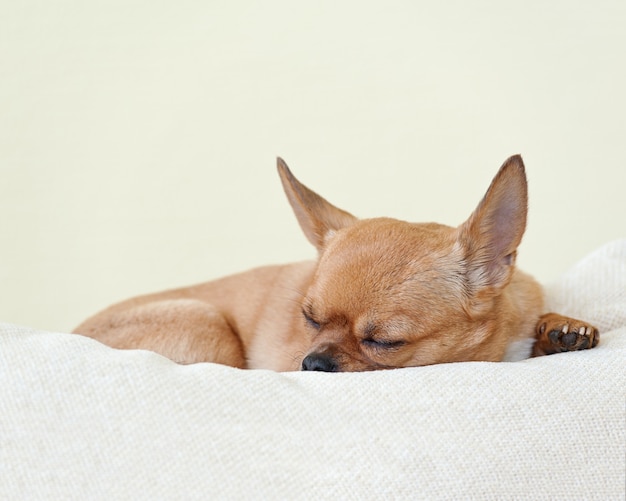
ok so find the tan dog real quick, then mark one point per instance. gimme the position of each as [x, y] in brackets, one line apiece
[383, 294]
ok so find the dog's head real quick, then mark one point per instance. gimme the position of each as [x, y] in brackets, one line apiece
[387, 293]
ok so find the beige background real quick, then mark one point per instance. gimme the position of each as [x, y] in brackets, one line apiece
[138, 138]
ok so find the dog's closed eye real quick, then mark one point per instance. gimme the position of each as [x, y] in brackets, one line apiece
[381, 343]
[309, 320]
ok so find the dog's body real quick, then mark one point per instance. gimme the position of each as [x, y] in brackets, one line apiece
[383, 294]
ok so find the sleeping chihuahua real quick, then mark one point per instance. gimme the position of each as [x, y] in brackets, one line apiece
[382, 294]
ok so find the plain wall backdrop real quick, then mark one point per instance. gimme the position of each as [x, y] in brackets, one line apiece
[138, 138]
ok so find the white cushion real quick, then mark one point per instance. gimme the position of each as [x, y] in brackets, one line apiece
[79, 420]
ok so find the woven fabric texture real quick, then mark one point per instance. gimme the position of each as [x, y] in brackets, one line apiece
[79, 420]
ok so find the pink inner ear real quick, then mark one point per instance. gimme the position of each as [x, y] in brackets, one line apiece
[506, 219]
[495, 229]
[505, 228]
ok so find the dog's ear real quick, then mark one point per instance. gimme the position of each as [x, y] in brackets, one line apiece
[492, 233]
[318, 218]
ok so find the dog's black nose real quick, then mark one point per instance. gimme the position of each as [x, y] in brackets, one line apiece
[319, 362]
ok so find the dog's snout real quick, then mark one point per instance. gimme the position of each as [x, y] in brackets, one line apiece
[320, 362]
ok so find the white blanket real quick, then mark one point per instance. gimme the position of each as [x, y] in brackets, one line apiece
[79, 420]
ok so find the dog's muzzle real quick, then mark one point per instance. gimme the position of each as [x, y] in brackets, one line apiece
[320, 362]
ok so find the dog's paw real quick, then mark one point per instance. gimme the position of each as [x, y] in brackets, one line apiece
[556, 334]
